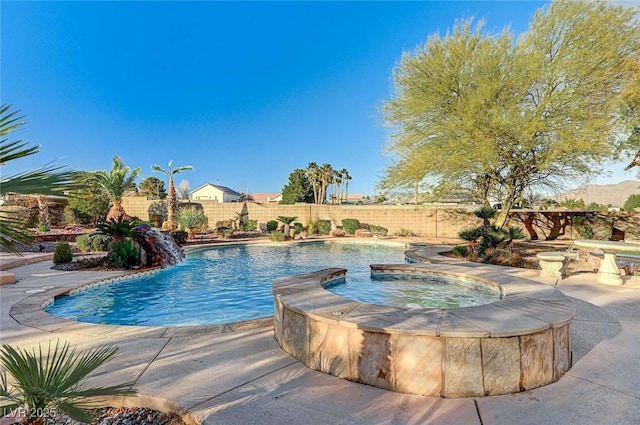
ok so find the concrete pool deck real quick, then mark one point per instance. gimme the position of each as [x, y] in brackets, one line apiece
[244, 377]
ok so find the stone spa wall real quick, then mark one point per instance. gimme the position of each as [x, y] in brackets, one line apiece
[515, 344]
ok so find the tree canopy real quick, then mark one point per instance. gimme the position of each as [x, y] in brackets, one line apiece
[153, 188]
[298, 189]
[497, 115]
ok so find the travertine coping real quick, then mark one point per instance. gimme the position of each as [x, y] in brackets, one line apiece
[517, 343]
[29, 312]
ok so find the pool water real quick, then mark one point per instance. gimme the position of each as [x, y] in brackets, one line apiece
[430, 291]
[217, 285]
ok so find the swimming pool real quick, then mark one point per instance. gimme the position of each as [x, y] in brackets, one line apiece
[218, 284]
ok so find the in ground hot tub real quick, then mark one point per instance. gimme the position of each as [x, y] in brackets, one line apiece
[517, 343]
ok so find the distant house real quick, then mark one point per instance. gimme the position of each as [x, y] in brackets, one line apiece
[215, 192]
[353, 198]
[263, 198]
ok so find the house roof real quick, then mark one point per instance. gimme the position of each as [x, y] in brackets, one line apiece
[264, 197]
[223, 189]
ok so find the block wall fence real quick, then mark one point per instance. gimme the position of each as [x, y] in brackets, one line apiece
[426, 221]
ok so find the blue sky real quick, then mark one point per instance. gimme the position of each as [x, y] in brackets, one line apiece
[245, 92]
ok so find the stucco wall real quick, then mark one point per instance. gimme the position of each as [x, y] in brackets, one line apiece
[423, 220]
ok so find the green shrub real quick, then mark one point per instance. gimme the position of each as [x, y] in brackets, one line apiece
[378, 229]
[251, 225]
[180, 236]
[460, 251]
[43, 380]
[123, 255]
[299, 227]
[272, 225]
[93, 242]
[70, 215]
[593, 227]
[118, 229]
[62, 254]
[276, 236]
[43, 228]
[406, 233]
[350, 225]
[324, 227]
[191, 218]
[312, 226]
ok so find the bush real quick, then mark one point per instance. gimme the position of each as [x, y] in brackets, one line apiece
[62, 254]
[299, 227]
[276, 236]
[350, 225]
[406, 233]
[70, 216]
[251, 225]
[180, 236]
[312, 226]
[272, 225]
[191, 218]
[593, 227]
[43, 228]
[93, 242]
[378, 229]
[460, 251]
[123, 255]
[324, 227]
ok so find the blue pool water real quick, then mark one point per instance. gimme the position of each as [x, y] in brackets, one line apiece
[217, 285]
[430, 291]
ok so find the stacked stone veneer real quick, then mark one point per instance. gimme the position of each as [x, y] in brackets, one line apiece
[515, 344]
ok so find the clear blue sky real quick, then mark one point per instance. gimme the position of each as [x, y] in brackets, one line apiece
[245, 92]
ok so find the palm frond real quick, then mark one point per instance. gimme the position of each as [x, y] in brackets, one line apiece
[9, 121]
[13, 230]
[55, 378]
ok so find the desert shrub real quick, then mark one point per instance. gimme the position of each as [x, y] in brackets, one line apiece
[324, 226]
[405, 233]
[272, 225]
[43, 228]
[593, 227]
[191, 218]
[158, 213]
[70, 216]
[460, 251]
[118, 229]
[276, 236]
[378, 229]
[350, 225]
[251, 225]
[263, 228]
[62, 254]
[180, 236]
[299, 227]
[123, 255]
[93, 242]
[312, 226]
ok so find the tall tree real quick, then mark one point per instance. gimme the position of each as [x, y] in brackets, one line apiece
[47, 180]
[326, 175]
[313, 175]
[172, 199]
[153, 188]
[88, 201]
[497, 116]
[115, 184]
[298, 189]
[184, 189]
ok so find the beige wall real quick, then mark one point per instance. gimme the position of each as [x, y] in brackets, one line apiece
[425, 221]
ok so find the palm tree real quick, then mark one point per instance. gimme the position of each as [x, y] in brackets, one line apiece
[48, 180]
[287, 224]
[313, 173]
[172, 198]
[115, 184]
[326, 178]
[54, 380]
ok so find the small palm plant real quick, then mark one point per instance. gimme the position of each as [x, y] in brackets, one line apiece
[53, 381]
[190, 218]
[287, 223]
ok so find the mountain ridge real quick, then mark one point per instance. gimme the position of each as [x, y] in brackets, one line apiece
[605, 194]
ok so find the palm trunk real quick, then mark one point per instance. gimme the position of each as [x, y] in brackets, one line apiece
[116, 212]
